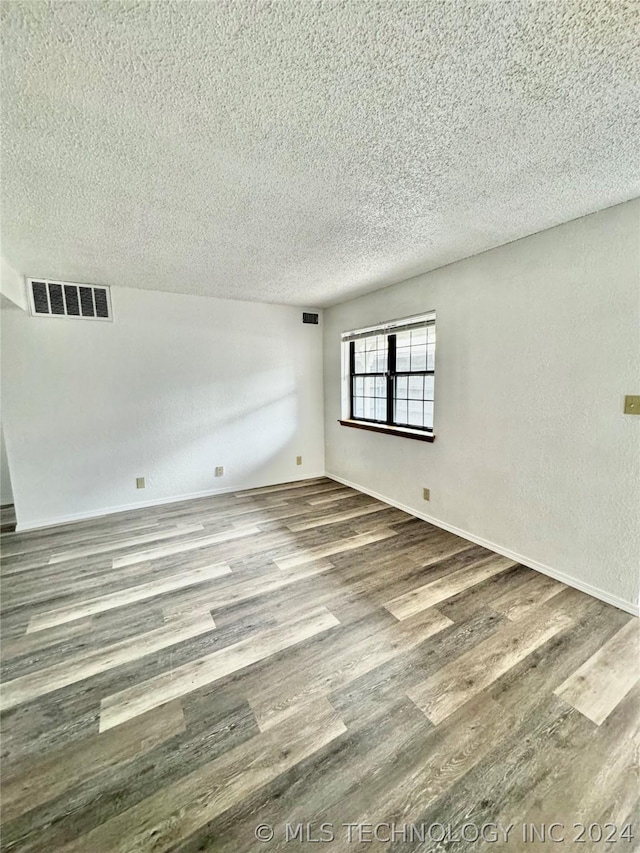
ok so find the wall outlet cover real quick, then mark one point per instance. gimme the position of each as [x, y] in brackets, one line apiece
[219, 471]
[298, 460]
[632, 404]
[426, 494]
[139, 482]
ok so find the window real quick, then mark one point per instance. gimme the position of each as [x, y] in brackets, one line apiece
[389, 376]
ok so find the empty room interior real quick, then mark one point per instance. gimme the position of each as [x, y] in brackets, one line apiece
[320, 387]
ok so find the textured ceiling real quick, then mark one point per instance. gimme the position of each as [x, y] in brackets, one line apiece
[305, 152]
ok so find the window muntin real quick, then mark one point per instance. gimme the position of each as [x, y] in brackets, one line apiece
[391, 374]
[369, 359]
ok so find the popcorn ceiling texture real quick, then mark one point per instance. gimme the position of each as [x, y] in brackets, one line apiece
[306, 152]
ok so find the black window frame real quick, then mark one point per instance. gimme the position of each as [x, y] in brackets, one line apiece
[390, 375]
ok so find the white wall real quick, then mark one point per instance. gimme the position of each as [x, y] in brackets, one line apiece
[537, 344]
[12, 298]
[12, 284]
[174, 387]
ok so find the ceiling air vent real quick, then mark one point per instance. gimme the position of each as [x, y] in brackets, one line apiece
[64, 299]
[309, 318]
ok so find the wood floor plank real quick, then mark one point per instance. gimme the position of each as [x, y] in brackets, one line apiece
[44, 778]
[183, 547]
[520, 603]
[316, 674]
[365, 753]
[242, 589]
[335, 518]
[307, 555]
[91, 550]
[597, 687]
[305, 704]
[38, 545]
[78, 579]
[461, 606]
[492, 789]
[321, 483]
[439, 590]
[163, 820]
[84, 665]
[424, 769]
[443, 693]
[47, 637]
[128, 595]
[333, 497]
[583, 770]
[290, 510]
[149, 694]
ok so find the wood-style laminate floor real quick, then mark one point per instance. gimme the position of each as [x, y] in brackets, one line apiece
[300, 655]
[7, 518]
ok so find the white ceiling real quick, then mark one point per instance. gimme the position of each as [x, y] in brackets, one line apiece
[305, 152]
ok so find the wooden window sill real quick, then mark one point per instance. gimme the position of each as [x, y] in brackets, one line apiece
[403, 432]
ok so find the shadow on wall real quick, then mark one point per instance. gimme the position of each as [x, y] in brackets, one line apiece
[6, 492]
[176, 458]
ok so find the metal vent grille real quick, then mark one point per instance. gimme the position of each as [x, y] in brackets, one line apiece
[64, 299]
[309, 318]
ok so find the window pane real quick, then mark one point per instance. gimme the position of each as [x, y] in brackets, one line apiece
[415, 412]
[370, 392]
[402, 384]
[403, 361]
[416, 387]
[428, 387]
[431, 352]
[400, 415]
[419, 358]
[403, 339]
[371, 354]
[369, 408]
[428, 414]
[374, 342]
[418, 336]
[431, 334]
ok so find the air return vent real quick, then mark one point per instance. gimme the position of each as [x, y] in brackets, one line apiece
[309, 318]
[64, 299]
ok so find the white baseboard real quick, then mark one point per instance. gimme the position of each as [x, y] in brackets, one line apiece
[84, 516]
[596, 592]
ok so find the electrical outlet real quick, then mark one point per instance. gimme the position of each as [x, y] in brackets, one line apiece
[139, 482]
[219, 471]
[426, 494]
[632, 404]
[298, 460]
